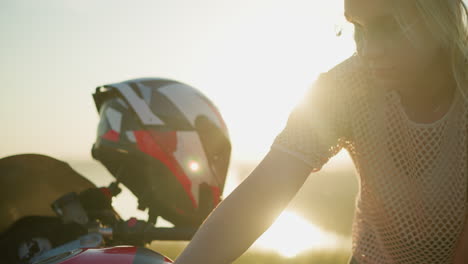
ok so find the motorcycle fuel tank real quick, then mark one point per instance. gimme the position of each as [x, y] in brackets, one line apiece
[112, 255]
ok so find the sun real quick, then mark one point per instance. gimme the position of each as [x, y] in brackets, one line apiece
[291, 234]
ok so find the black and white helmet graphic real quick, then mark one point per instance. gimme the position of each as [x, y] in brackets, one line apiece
[167, 143]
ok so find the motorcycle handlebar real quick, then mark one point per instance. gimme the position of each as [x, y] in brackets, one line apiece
[173, 233]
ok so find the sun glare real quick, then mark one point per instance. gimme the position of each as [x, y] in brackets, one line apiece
[194, 166]
[291, 235]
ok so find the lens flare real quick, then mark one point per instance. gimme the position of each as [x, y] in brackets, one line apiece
[291, 235]
[194, 166]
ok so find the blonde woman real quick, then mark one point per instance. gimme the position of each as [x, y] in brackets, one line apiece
[399, 106]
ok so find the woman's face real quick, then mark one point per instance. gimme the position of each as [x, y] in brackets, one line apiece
[398, 54]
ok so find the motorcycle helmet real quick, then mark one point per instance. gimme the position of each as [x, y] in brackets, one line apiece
[167, 143]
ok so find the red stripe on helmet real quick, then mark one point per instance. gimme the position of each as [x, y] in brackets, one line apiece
[111, 135]
[166, 140]
[152, 144]
[215, 191]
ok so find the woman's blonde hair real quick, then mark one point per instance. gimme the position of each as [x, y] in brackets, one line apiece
[448, 21]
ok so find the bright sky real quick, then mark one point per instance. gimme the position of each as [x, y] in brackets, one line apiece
[254, 59]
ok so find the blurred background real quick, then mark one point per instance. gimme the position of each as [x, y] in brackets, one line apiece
[254, 59]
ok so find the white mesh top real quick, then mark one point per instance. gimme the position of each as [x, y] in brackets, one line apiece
[411, 202]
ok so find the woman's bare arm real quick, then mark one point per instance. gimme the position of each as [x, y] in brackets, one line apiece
[248, 211]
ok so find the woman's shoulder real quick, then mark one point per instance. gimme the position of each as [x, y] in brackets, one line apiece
[345, 80]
